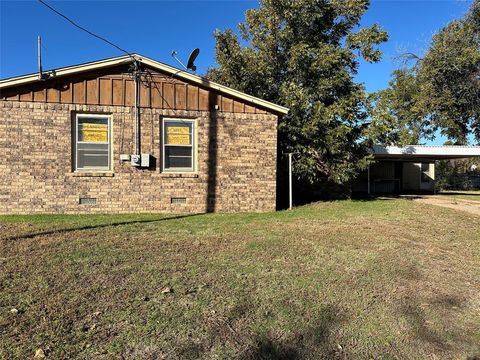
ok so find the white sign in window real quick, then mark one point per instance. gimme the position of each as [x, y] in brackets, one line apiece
[92, 142]
[178, 145]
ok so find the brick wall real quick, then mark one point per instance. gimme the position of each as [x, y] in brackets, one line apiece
[236, 163]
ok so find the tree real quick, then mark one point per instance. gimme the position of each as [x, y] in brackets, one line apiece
[304, 54]
[396, 119]
[455, 174]
[443, 86]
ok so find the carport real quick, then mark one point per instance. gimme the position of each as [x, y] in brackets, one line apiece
[409, 169]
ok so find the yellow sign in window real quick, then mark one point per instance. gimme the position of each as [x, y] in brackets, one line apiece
[178, 135]
[93, 132]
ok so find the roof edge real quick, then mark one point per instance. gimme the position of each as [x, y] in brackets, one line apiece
[426, 151]
[125, 59]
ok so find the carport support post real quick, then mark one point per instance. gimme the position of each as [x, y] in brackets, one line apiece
[290, 192]
[368, 176]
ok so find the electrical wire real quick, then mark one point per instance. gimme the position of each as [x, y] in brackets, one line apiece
[147, 79]
[134, 61]
[86, 30]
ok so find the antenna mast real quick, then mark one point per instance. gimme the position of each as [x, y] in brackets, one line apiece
[39, 53]
[174, 55]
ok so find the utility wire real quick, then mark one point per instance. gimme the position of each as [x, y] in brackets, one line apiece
[86, 30]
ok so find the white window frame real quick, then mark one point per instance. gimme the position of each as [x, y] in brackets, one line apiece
[109, 143]
[193, 168]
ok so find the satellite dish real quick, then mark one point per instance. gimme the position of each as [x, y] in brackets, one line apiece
[191, 59]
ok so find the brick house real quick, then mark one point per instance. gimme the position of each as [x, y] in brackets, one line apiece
[95, 138]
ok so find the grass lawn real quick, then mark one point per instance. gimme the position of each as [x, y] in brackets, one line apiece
[462, 195]
[383, 279]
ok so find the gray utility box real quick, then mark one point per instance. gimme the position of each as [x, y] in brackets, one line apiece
[145, 162]
[140, 160]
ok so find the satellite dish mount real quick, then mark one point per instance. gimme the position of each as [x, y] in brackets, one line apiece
[191, 60]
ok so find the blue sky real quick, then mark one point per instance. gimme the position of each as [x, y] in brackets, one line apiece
[155, 28]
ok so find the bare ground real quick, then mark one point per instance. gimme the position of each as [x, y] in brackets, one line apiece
[470, 206]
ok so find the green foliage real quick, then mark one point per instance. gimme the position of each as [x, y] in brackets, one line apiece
[454, 175]
[396, 118]
[304, 55]
[441, 91]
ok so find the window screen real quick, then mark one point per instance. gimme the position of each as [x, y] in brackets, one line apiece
[178, 145]
[92, 142]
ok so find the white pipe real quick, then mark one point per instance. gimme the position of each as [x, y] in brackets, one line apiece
[290, 192]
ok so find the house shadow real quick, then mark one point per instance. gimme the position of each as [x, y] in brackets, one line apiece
[211, 199]
[93, 227]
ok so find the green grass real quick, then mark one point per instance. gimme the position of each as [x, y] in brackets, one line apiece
[460, 194]
[384, 279]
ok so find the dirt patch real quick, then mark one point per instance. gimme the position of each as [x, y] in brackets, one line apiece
[472, 207]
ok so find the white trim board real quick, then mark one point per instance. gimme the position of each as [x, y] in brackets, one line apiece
[430, 151]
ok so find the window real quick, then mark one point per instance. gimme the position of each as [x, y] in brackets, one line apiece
[92, 142]
[178, 145]
[425, 172]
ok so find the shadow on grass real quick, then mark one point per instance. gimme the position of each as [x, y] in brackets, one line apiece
[448, 336]
[92, 227]
[315, 338]
[375, 198]
[431, 318]
[354, 199]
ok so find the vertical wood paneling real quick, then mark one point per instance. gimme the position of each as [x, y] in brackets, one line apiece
[39, 95]
[227, 104]
[203, 100]
[78, 92]
[156, 94]
[66, 93]
[168, 96]
[238, 106]
[105, 93]
[92, 92]
[192, 97]
[14, 97]
[117, 91]
[53, 95]
[249, 109]
[144, 94]
[129, 92]
[26, 96]
[180, 96]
